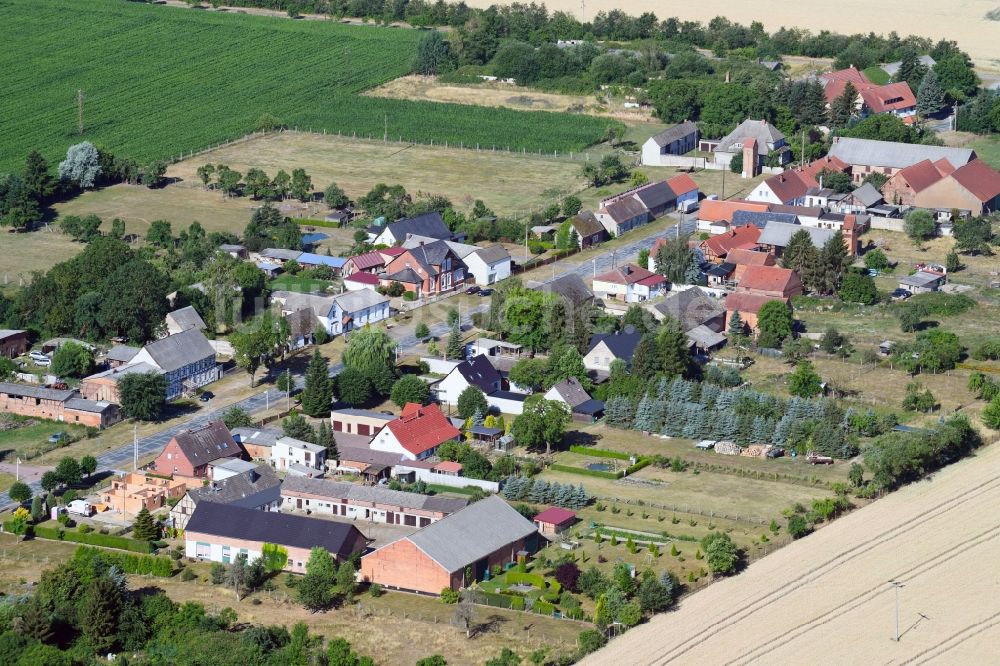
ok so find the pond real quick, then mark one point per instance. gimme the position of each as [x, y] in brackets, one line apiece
[313, 238]
[599, 467]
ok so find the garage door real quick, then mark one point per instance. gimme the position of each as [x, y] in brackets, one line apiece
[338, 426]
[364, 429]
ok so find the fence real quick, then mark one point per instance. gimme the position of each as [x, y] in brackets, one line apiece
[887, 223]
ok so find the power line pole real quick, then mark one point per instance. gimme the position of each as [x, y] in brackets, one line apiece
[896, 584]
[385, 134]
[79, 110]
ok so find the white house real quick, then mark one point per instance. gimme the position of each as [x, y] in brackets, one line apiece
[187, 359]
[477, 372]
[430, 225]
[416, 433]
[629, 283]
[337, 314]
[298, 457]
[676, 140]
[787, 189]
[605, 348]
[181, 320]
[488, 265]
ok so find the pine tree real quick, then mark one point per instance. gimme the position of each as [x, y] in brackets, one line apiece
[843, 107]
[930, 97]
[582, 498]
[736, 326]
[477, 417]
[318, 392]
[680, 390]
[761, 432]
[725, 401]
[99, 611]
[456, 347]
[692, 427]
[812, 107]
[324, 438]
[782, 430]
[659, 414]
[644, 415]
[618, 412]
[709, 394]
[725, 426]
[538, 491]
[663, 389]
[145, 529]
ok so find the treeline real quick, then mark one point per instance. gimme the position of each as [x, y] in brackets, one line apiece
[897, 458]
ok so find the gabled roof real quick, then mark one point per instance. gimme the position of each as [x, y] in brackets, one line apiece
[186, 318]
[207, 443]
[682, 184]
[868, 152]
[979, 179]
[362, 278]
[868, 195]
[430, 255]
[571, 287]
[429, 224]
[291, 301]
[555, 515]
[250, 489]
[921, 279]
[586, 224]
[723, 270]
[420, 429]
[921, 175]
[890, 97]
[827, 163]
[280, 253]
[690, 308]
[627, 274]
[852, 74]
[621, 343]
[492, 254]
[293, 443]
[8, 332]
[779, 234]
[479, 372]
[407, 275]
[789, 185]
[655, 195]
[122, 353]
[742, 257]
[367, 260]
[625, 209]
[370, 494]
[235, 522]
[367, 413]
[571, 392]
[176, 351]
[310, 259]
[675, 132]
[257, 436]
[722, 211]
[301, 323]
[761, 131]
[742, 301]
[473, 533]
[744, 237]
[355, 301]
[769, 278]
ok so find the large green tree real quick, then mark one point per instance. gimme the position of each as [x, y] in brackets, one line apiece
[433, 54]
[470, 401]
[318, 392]
[372, 353]
[774, 321]
[100, 609]
[142, 395]
[804, 382]
[930, 96]
[260, 342]
[72, 360]
[134, 301]
[543, 423]
[315, 589]
[409, 388]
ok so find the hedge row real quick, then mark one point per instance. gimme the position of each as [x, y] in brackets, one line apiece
[599, 453]
[92, 539]
[501, 600]
[517, 577]
[583, 471]
[129, 563]
[543, 608]
[642, 462]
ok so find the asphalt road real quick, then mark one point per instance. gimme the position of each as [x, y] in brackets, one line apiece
[121, 458]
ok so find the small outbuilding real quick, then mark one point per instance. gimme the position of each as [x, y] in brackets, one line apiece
[554, 520]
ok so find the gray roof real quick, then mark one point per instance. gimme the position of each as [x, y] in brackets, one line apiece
[95, 406]
[920, 279]
[891, 68]
[764, 132]
[30, 391]
[350, 411]
[471, 534]
[430, 255]
[428, 224]
[207, 443]
[868, 195]
[364, 454]
[293, 443]
[186, 318]
[626, 209]
[867, 152]
[690, 308]
[586, 224]
[280, 253]
[674, 133]
[229, 247]
[779, 233]
[571, 392]
[354, 301]
[301, 323]
[176, 351]
[479, 372]
[234, 465]
[117, 373]
[235, 522]
[123, 353]
[292, 301]
[7, 332]
[571, 287]
[761, 219]
[257, 436]
[250, 489]
[407, 275]
[705, 337]
[621, 343]
[655, 195]
[492, 254]
[373, 494]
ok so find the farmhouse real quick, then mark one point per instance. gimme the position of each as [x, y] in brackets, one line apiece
[298, 458]
[867, 156]
[572, 288]
[787, 188]
[623, 215]
[301, 327]
[758, 141]
[337, 314]
[485, 534]
[369, 503]
[13, 342]
[684, 189]
[221, 532]
[589, 231]
[581, 406]
[416, 433]
[358, 421]
[258, 489]
[676, 140]
[771, 281]
[629, 283]
[371, 466]
[487, 265]
[430, 225]
[131, 493]
[657, 198]
[184, 319]
[690, 308]
[894, 98]
[608, 347]
[748, 305]
[187, 359]
[903, 187]
[103, 386]
[120, 355]
[715, 216]
[776, 236]
[973, 187]
[188, 453]
[717, 247]
[57, 405]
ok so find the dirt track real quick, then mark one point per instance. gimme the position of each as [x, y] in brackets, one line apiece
[826, 599]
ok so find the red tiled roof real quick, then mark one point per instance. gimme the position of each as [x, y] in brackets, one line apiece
[448, 466]
[367, 260]
[627, 274]
[741, 301]
[392, 251]
[652, 280]
[555, 515]
[921, 175]
[682, 184]
[420, 429]
[769, 278]
[363, 278]
[742, 257]
[890, 97]
[741, 237]
[828, 163]
[722, 211]
[944, 166]
[980, 179]
[852, 74]
[789, 185]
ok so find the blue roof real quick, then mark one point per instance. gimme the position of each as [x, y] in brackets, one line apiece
[266, 266]
[321, 260]
[758, 219]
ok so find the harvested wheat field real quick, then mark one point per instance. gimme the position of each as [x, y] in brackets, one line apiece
[826, 599]
[962, 20]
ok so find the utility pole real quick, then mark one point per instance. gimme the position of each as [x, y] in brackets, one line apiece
[802, 157]
[79, 110]
[896, 584]
[17, 470]
[724, 170]
[135, 447]
[385, 134]
[526, 239]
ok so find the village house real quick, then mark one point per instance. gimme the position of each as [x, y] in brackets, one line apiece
[184, 319]
[224, 468]
[103, 386]
[337, 314]
[867, 156]
[233, 250]
[188, 453]
[589, 231]
[922, 282]
[13, 343]
[629, 283]
[366, 503]
[487, 265]
[278, 256]
[554, 521]
[581, 406]
[748, 306]
[657, 198]
[973, 187]
[776, 236]
[258, 489]
[477, 371]
[905, 184]
[605, 348]
[759, 142]
[370, 466]
[310, 260]
[428, 269]
[416, 433]
[359, 280]
[717, 216]
[716, 248]
[430, 225]
[484, 534]
[896, 98]
[369, 262]
[685, 190]
[131, 493]
[742, 259]
[676, 140]
[622, 216]
[358, 421]
[571, 288]
[257, 442]
[120, 355]
[221, 532]
[56, 404]
[297, 457]
[787, 188]
[301, 328]
[771, 281]
[187, 359]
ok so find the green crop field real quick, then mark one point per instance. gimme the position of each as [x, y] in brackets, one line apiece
[162, 81]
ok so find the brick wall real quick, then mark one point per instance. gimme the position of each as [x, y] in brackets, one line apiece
[404, 566]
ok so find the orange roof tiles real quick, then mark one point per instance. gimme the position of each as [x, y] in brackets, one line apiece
[722, 211]
[979, 179]
[682, 184]
[921, 175]
[743, 257]
[420, 429]
[769, 278]
[741, 301]
[741, 237]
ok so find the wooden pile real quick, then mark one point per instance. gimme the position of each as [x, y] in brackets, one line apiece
[756, 450]
[728, 448]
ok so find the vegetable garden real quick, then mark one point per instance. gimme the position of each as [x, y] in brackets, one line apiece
[160, 82]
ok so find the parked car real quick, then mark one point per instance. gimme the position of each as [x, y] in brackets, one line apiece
[486, 292]
[474, 289]
[776, 452]
[57, 437]
[900, 295]
[206, 396]
[38, 356]
[817, 459]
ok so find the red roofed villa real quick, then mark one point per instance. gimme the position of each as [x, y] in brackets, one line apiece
[416, 433]
[717, 247]
[771, 281]
[554, 520]
[630, 283]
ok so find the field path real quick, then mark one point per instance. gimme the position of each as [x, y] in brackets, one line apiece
[826, 599]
